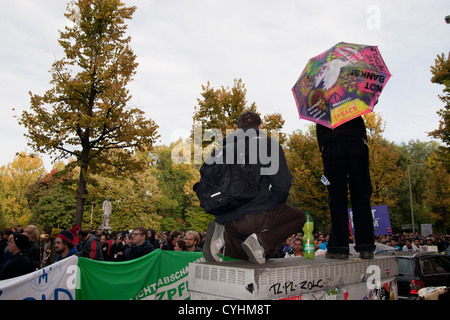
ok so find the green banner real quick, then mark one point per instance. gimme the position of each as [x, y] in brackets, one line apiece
[160, 275]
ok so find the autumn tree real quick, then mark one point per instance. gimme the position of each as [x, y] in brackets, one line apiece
[438, 194]
[196, 218]
[15, 179]
[172, 180]
[85, 114]
[441, 75]
[305, 163]
[219, 110]
[274, 122]
[385, 172]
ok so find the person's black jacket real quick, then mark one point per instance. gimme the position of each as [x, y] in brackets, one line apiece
[275, 181]
[3, 245]
[153, 241]
[34, 253]
[135, 251]
[114, 252]
[355, 127]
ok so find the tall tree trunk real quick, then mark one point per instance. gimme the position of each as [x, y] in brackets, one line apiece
[82, 189]
[81, 195]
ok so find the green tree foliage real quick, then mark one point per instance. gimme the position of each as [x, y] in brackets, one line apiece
[133, 200]
[52, 199]
[55, 208]
[172, 179]
[415, 155]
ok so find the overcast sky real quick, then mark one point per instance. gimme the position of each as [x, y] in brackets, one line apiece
[182, 44]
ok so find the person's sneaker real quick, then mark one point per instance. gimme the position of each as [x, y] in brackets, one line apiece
[366, 255]
[214, 241]
[254, 249]
[341, 256]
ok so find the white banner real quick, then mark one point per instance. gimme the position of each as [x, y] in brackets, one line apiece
[55, 282]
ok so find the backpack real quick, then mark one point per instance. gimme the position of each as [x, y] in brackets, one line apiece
[224, 187]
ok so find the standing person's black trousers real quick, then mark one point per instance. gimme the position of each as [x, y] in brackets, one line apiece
[346, 160]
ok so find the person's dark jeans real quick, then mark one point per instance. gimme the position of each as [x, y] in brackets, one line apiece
[271, 226]
[346, 161]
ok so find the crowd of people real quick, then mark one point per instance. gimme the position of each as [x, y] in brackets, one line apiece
[416, 241]
[439, 242]
[23, 250]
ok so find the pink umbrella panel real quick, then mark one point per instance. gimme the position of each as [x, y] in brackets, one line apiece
[340, 84]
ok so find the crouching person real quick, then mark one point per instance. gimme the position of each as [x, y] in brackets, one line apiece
[251, 228]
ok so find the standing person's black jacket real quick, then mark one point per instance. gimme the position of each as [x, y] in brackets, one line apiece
[34, 253]
[135, 251]
[355, 127]
[274, 187]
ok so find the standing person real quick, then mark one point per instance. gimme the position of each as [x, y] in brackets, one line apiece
[116, 252]
[151, 236]
[345, 156]
[20, 263]
[254, 230]
[180, 245]
[192, 240]
[52, 254]
[297, 250]
[89, 246]
[45, 248]
[169, 244]
[32, 249]
[64, 245]
[409, 246]
[140, 245]
[394, 244]
[319, 252]
[4, 234]
[105, 247]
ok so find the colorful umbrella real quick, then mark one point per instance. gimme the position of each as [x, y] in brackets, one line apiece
[340, 84]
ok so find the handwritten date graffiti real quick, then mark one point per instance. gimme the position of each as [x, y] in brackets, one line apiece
[287, 287]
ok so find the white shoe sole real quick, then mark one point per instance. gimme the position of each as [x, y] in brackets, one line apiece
[254, 250]
[214, 241]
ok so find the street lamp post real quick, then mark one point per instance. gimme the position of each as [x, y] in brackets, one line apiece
[410, 195]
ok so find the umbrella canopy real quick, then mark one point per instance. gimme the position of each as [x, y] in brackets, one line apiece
[340, 84]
